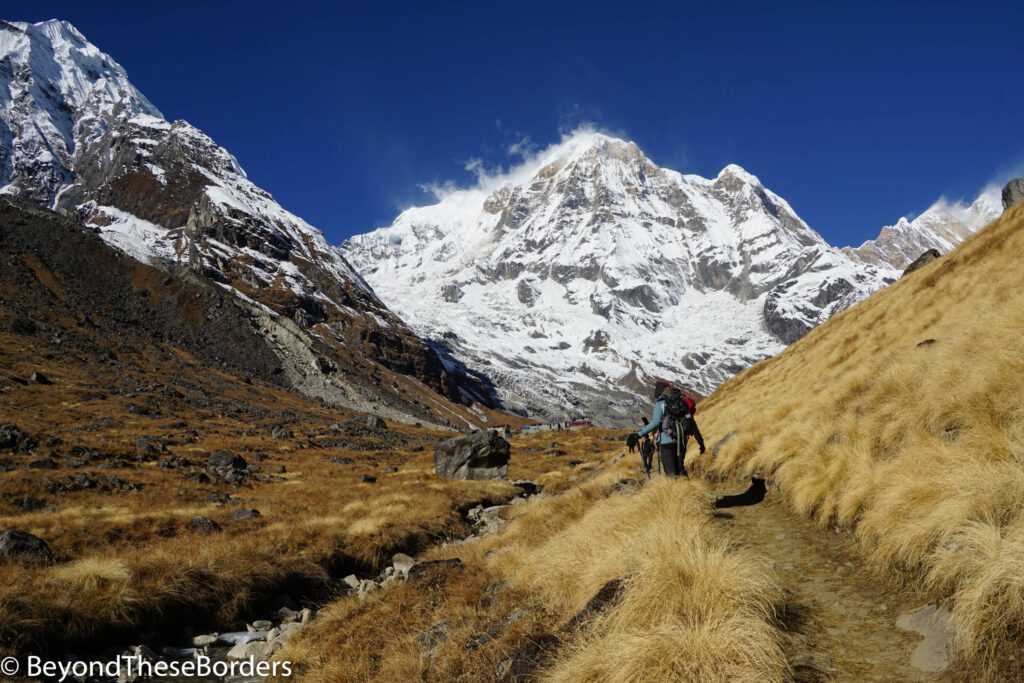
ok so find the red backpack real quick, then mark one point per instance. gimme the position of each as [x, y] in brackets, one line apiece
[691, 406]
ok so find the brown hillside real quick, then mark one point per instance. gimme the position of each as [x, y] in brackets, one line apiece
[901, 423]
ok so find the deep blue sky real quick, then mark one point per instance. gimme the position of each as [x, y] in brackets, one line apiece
[856, 113]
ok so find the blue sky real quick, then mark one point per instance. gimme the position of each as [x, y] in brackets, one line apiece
[856, 113]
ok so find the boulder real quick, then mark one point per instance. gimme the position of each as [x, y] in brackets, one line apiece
[227, 459]
[204, 525]
[204, 640]
[253, 650]
[251, 513]
[43, 464]
[281, 432]
[482, 455]
[367, 479]
[149, 445]
[402, 563]
[922, 260]
[12, 438]
[1013, 192]
[38, 378]
[20, 546]
[374, 422]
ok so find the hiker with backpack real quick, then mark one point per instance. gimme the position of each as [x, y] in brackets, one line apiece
[669, 413]
[673, 417]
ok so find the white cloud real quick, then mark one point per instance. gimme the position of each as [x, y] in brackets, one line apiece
[529, 160]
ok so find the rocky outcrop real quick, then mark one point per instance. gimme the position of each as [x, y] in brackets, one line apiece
[86, 142]
[1013, 192]
[481, 455]
[941, 227]
[922, 260]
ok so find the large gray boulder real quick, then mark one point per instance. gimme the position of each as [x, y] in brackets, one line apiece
[482, 455]
[20, 546]
[1013, 192]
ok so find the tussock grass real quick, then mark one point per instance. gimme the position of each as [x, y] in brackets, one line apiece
[915, 447]
[691, 608]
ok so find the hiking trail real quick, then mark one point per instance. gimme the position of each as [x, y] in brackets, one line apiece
[839, 620]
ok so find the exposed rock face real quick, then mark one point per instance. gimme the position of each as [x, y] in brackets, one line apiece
[20, 546]
[942, 227]
[84, 141]
[142, 305]
[1013, 192]
[481, 455]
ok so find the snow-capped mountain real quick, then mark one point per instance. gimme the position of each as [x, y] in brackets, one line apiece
[942, 227]
[77, 137]
[574, 279]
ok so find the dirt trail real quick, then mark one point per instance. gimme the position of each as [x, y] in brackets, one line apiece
[841, 621]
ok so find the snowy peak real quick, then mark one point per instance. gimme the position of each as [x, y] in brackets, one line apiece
[61, 61]
[591, 264]
[55, 89]
[80, 139]
[942, 226]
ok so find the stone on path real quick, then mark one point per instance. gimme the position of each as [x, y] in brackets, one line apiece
[940, 643]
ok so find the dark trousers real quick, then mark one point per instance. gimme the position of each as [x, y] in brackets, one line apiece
[671, 460]
[690, 429]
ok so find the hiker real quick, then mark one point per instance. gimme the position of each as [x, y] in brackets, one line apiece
[669, 416]
[631, 441]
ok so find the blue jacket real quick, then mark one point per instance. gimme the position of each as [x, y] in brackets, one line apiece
[659, 413]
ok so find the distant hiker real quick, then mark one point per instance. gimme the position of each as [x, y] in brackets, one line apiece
[669, 416]
[631, 441]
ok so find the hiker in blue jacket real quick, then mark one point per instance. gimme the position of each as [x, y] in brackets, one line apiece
[668, 446]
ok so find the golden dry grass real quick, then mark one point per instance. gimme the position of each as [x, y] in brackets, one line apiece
[916, 447]
[128, 561]
[692, 607]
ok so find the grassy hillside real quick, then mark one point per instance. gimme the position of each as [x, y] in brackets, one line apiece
[612, 581]
[901, 422]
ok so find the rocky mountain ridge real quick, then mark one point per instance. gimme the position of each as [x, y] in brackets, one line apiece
[79, 138]
[575, 279]
[942, 227]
